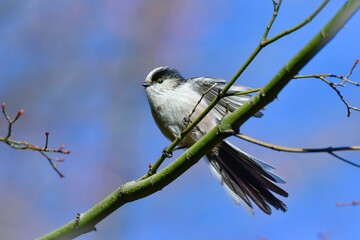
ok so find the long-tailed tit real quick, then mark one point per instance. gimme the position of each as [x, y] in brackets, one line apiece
[172, 98]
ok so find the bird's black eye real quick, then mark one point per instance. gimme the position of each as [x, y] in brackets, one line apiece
[159, 76]
[164, 73]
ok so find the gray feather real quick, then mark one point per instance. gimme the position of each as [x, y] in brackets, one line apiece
[227, 104]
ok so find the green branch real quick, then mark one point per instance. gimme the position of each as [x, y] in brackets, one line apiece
[135, 190]
[263, 43]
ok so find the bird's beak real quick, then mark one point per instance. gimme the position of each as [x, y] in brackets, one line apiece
[145, 84]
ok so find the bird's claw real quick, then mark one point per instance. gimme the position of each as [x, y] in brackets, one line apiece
[167, 154]
[186, 121]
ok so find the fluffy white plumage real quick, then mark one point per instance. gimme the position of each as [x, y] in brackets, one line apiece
[172, 98]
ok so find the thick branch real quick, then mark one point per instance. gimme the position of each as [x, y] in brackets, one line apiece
[134, 190]
[263, 43]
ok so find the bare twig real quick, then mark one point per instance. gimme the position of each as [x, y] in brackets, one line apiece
[343, 159]
[347, 204]
[345, 79]
[352, 68]
[8, 119]
[290, 30]
[23, 145]
[187, 120]
[329, 150]
[253, 90]
[333, 86]
[276, 6]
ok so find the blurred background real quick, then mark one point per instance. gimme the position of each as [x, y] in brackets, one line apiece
[76, 68]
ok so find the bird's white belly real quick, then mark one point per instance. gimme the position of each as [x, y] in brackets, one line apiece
[169, 114]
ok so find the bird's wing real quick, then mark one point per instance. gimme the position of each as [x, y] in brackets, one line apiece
[212, 86]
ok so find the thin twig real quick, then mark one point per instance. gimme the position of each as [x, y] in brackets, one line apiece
[352, 68]
[51, 162]
[8, 119]
[277, 6]
[297, 27]
[346, 204]
[253, 90]
[323, 77]
[343, 159]
[187, 120]
[23, 145]
[329, 150]
[346, 79]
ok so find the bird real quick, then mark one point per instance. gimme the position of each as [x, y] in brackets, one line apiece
[173, 99]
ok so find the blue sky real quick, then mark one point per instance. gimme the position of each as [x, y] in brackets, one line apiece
[76, 68]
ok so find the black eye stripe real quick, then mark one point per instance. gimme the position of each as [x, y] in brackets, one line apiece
[159, 76]
[165, 73]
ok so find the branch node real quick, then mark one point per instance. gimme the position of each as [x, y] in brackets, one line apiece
[77, 220]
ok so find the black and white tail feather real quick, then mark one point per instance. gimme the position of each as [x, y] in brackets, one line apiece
[242, 175]
[245, 178]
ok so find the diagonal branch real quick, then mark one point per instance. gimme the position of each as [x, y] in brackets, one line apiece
[135, 190]
[297, 27]
[263, 43]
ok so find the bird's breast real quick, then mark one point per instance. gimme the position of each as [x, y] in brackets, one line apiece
[172, 110]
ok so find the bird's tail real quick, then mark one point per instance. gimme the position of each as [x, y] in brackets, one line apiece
[243, 177]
